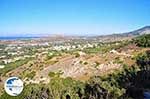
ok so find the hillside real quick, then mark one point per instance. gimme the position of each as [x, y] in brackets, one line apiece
[122, 36]
[114, 70]
[141, 31]
[77, 68]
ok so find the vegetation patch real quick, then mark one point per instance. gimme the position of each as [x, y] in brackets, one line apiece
[13, 65]
[143, 41]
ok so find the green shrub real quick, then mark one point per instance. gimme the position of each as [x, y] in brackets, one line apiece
[51, 74]
[143, 41]
[14, 65]
[85, 63]
[77, 55]
[31, 75]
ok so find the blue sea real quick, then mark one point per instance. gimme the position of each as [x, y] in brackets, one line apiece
[17, 38]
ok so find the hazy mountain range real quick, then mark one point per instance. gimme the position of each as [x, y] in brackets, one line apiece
[117, 36]
[141, 31]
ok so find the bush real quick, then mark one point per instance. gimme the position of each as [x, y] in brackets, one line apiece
[31, 75]
[85, 63]
[143, 61]
[143, 41]
[14, 65]
[77, 55]
[51, 74]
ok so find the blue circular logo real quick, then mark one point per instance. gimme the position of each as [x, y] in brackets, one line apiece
[13, 86]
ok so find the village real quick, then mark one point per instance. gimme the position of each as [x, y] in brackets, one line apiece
[20, 52]
[77, 60]
[39, 62]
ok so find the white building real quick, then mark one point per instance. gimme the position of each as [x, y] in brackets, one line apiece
[2, 66]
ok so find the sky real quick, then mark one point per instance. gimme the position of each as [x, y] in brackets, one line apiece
[72, 17]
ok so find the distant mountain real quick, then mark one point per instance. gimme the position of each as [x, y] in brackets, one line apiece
[123, 36]
[141, 31]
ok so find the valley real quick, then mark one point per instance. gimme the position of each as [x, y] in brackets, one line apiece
[77, 59]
